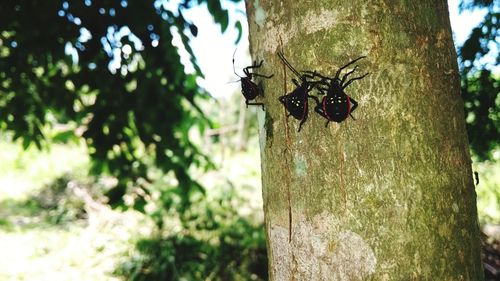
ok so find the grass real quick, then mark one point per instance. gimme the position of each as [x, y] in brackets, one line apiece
[43, 234]
[46, 233]
[34, 244]
[488, 191]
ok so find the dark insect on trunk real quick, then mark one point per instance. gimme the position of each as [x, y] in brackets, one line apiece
[249, 89]
[296, 102]
[336, 105]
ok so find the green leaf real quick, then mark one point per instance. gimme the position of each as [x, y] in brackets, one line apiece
[26, 142]
[65, 137]
[224, 20]
[115, 195]
[193, 29]
[238, 26]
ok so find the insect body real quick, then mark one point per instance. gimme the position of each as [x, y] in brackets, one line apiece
[249, 89]
[296, 102]
[336, 105]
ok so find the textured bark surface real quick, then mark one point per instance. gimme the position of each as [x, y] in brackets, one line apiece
[386, 197]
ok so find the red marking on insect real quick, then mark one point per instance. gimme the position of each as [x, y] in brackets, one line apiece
[324, 108]
[306, 110]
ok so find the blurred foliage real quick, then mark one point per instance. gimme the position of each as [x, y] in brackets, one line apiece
[51, 219]
[488, 192]
[59, 203]
[110, 72]
[67, 198]
[234, 123]
[216, 243]
[478, 58]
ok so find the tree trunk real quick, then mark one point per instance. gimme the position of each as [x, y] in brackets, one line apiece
[389, 196]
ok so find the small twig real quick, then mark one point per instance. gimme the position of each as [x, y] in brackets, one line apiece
[288, 144]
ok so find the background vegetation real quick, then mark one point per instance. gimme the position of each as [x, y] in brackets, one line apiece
[116, 165]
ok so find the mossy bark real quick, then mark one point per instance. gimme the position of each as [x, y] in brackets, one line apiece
[389, 196]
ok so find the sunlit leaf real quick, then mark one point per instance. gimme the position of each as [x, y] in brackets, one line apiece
[194, 30]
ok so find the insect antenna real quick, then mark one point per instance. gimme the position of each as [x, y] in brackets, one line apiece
[282, 57]
[344, 78]
[354, 79]
[234, 69]
[340, 69]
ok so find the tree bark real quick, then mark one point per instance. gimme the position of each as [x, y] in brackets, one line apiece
[389, 196]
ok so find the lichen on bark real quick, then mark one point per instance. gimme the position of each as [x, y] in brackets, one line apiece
[397, 181]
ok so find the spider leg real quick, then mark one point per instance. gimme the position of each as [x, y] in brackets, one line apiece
[323, 82]
[318, 105]
[255, 64]
[247, 73]
[354, 105]
[254, 103]
[314, 74]
[314, 98]
[296, 82]
[246, 70]
[322, 91]
[308, 88]
[302, 122]
[309, 74]
[319, 109]
[317, 85]
[262, 75]
[306, 76]
[353, 79]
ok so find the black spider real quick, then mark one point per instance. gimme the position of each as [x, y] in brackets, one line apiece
[249, 89]
[296, 102]
[336, 105]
